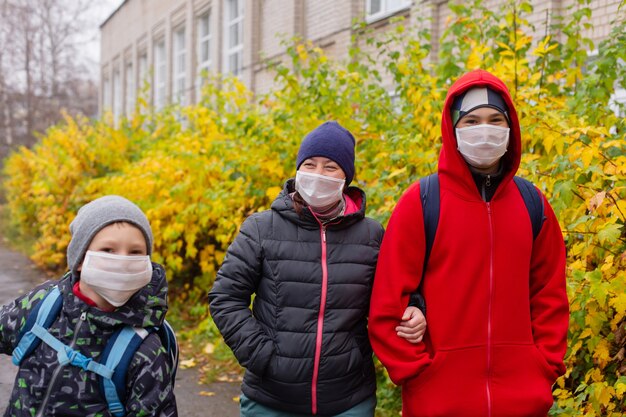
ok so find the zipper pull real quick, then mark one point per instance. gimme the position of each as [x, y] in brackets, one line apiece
[324, 234]
[83, 316]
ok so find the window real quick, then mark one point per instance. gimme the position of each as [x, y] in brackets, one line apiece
[617, 102]
[117, 94]
[379, 9]
[129, 88]
[180, 53]
[142, 68]
[106, 95]
[160, 74]
[204, 49]
[233, 36]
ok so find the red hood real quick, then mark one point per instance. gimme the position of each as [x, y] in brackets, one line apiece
[452, 167]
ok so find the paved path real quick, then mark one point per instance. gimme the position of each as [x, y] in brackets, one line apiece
[18, 275]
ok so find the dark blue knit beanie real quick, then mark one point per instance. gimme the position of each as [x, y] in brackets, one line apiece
[331, 141]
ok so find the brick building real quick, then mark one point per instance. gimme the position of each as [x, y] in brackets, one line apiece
[167, 44]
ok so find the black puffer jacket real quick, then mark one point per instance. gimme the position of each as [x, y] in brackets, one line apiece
[304, 344]
[44, 388]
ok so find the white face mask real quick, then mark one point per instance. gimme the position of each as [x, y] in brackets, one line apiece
[115, 277]
[319, 191]
[482, 145]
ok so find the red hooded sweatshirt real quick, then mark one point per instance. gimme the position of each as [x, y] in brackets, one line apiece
[497, 307]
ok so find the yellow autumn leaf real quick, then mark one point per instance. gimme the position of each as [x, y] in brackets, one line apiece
[601, 353]
[188, 363]
[273, 192]
[596, 200]
[209, 348]
[619, 303]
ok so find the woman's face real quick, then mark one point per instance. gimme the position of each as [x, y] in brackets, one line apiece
[322, 166]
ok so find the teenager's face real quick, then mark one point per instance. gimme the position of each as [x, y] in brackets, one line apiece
[322, 166]
[120, 239]
[483, 115]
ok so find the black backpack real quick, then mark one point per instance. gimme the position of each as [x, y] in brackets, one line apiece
[429, 196]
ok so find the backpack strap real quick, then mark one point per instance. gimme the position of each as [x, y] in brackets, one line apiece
[429, 197]
[117, 355]
[534, 203]
[36, 331]
[43, 314]
[168, 338]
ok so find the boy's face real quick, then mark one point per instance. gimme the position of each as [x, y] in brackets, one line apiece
[120, 239]
[483, 115]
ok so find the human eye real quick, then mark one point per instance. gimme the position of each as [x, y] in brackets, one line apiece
[105, 249]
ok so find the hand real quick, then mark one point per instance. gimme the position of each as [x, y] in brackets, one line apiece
[413, 325]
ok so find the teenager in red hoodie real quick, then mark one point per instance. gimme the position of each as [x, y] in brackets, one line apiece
[497, 307]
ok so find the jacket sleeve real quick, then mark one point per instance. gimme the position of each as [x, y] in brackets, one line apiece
[13, 316]
[549, 306]
[398, 274]
[230, 297]
[150, 387]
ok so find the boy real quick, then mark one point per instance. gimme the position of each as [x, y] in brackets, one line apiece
[495, 295]
[111, 284]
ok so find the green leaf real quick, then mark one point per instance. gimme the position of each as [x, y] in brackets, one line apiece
[610, 233]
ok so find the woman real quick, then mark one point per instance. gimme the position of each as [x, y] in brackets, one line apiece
[310, 260]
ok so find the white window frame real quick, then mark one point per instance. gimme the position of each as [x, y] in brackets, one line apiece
[204, 43]
[160, 74]
[106, 94]
[129, 88]
[618, 97]
[179, 55]
[386, 9]
[117, 94]
[237, 49]
[142, 68]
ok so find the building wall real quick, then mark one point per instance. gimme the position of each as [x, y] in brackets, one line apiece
[137, 26]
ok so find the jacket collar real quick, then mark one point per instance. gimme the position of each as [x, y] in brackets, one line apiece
[146, 308]
[283, 205]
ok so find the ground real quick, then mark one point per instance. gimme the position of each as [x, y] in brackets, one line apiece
[18, 275]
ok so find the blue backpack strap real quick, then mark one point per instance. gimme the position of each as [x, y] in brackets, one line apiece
[43, 314]
[168, 338]
[117, 355]
[429, 197]
[534, 203]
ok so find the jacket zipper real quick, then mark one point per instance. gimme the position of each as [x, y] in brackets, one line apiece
[320, 323]
[58, 369]
[491, 244]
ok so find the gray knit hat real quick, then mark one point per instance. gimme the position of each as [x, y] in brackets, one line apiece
[96, 215]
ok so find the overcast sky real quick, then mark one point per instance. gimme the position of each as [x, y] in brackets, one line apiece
[98, 13]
